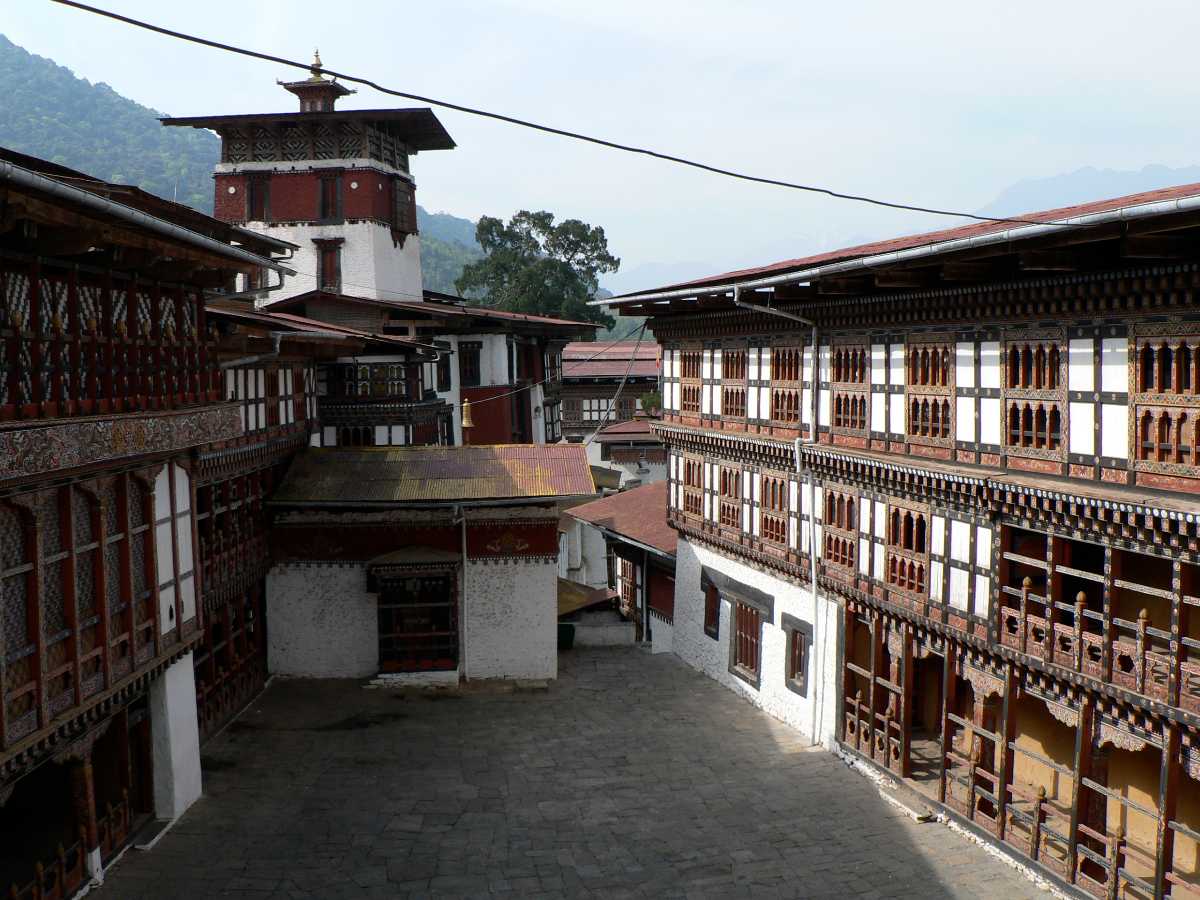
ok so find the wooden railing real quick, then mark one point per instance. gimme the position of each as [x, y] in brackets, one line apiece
[57, 879]
[86, 342]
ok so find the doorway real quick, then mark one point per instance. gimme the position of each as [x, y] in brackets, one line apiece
[418, 623]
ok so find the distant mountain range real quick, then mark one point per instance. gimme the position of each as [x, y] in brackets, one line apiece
[51, 113]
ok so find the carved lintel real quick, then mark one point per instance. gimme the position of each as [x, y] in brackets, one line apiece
[1119, 738]
[922, 649]
[1190, 758]
[982, 683]
[80, 749]
[1064, 714]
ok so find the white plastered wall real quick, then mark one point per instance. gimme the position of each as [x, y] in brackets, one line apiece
[175, 740]
[510, 619]
[372, 264]
[815, 714]
[324, 624]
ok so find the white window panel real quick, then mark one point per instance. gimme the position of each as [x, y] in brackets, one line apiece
[819, 494]
[817, 532]
[896, 364]
[964, 364]
[706, 365]
[746, 518]
[806, 406]
[990, 426]
[1114, 435]
[880, 520]
[983, 547]
[183, 535]
[823, 406]
[878, 364]
[964, 419]
[793, 488]
[747, 480]
[791, 532]
[166, 608]
[826, 358]
[960, 541]
[164, 553]
[864, 515]
[879, 412]
[752, 403]
[262, 384]
[707, 498]
[757, 487]
[162, 494]
[935, 580]
[187, 597]
[806, 374]
[1082, 428]
[381, 435]
[1081, 371]
[706, 399]
[764, 402]
[983, 595]
[877, 563]
[717, 362]
[397, 436]
[764, 366]
[314, 440]
[755, 521]
[959, 586]
[716, 401]
[896, 414]
[708, 475]
[329, 436]
[1114, 365]
[864, 556]
[937, 535]
[806, 501]
[989, 364]
[752, 364]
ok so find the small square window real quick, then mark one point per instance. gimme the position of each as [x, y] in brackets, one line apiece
[712, 611]
[799, 648]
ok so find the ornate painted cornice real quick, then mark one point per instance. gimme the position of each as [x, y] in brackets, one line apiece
[32, 449]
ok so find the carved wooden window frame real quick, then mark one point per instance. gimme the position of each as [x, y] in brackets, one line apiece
[1175, 408]
[850, 397]
[930, 397]
[1035, 398]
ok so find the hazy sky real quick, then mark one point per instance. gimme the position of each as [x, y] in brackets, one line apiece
[937, 103]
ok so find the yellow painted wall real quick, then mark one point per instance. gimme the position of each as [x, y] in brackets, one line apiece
[1187, 812]
[1041, 733]
[1135, 776]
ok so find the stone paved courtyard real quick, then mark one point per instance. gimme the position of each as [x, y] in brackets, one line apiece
[631, 776]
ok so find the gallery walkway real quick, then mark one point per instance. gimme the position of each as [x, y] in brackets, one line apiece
[630, 776]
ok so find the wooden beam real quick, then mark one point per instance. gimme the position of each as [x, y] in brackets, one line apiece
[969, 271]
[853, 285]
[1159, 246]
[905, 278]
[1050, 261]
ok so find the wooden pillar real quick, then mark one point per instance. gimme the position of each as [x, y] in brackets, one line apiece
[1007, 732]
[83, 798]
[1168, 800]
[907, 689]
[1082, 769]
[873, 687]
[949, 694]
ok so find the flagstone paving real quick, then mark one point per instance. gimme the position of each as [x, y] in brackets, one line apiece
[631, 776]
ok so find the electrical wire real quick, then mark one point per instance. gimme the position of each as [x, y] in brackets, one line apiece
[576, 364]
[547, 129]
[615, 397]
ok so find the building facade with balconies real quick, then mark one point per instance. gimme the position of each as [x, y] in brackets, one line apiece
[984, 442]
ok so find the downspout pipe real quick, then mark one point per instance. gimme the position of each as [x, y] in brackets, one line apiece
[806, 475]
[461, 519]
[95, 203]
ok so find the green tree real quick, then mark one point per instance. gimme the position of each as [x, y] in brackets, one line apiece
[532, 265]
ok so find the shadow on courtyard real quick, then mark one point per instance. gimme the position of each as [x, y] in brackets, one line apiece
[631, 776]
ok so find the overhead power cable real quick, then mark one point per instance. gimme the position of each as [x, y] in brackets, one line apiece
[547, 129]
[612, 402]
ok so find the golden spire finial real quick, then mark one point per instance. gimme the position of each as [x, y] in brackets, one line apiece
[315, 68]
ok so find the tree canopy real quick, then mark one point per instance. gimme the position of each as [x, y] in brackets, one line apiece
[532, 265]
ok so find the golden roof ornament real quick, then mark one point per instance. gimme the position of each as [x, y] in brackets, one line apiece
[315, 68]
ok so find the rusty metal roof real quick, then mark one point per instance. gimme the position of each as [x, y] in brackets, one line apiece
[639, 514]
[422, 475]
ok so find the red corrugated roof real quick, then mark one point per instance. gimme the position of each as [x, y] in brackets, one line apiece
[594, 359]
[630, 429]
[935, 237]
[413, 475]
[639, 514]
[620, 350]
